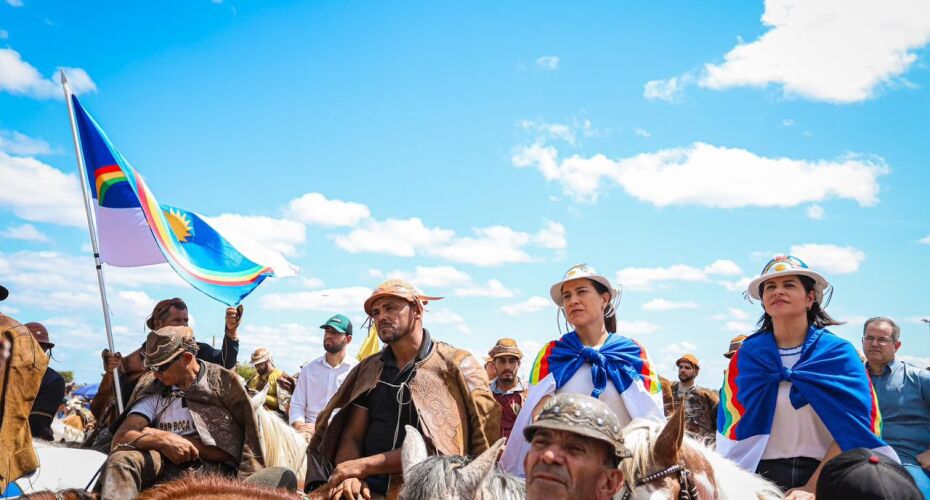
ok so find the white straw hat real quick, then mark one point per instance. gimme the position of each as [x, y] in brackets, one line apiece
[786, 265]
[579, 271]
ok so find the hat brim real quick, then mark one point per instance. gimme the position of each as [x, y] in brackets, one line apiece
[259, 360]
[530, 430]
[555, 291]
[517, 354]
[336, 327]
[371, 300]
[820, 283]
[145, 360]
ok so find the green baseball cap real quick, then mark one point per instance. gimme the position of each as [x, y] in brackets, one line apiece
[339, 323]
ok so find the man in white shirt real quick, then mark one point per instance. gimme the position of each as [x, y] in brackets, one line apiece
[321, 378]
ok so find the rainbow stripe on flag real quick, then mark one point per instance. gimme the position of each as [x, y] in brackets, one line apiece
[134, 229]
[650, 377]
[731, 409]
[541, 364]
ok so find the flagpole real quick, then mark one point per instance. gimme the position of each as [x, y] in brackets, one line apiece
[93, 235]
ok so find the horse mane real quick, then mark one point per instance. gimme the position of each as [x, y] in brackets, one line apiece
[435, 478]
[282, 445]
[211, 486]
[640, 438]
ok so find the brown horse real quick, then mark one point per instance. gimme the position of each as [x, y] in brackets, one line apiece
[213, 487]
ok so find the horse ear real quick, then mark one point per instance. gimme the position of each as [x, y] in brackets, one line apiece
[414, 450]
[670, 439]
[258, 399]
[475, 472]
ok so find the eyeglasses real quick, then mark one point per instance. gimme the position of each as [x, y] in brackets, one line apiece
[877, 340]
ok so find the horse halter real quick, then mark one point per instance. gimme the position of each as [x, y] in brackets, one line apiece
[687, 490]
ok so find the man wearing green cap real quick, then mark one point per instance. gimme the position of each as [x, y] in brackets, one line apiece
[184, 415]
[321, 378]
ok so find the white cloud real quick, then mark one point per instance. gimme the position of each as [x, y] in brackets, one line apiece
[281, 235]
[21, 78]
[645, 278]
[315, 208]
[569, 133]
[400, 237]
[740, 327]
[492, 289]
[925, 240]
[25, 232]
[787, 122]
[18, 144]
[444, 316]
[735, 286]
[642, 133]
[531, 305]
[548, 63]
[491, 246]
[438, 276]
[815, 212]
[738, 313]
[829, 258]
[724, 267]
[670, 353]
[667, 305]
[311, 282]
[291, 344]
[37, 192]
[838, 51]
[691, 176]
[329, 300]
[15, 3]
[669, 90]
[4, 34]
[639, 327]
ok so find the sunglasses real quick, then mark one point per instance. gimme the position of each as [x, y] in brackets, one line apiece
[163, 368]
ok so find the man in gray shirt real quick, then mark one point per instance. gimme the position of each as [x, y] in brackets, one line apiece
[903, 392]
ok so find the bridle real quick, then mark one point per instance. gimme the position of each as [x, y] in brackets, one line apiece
[687, 489]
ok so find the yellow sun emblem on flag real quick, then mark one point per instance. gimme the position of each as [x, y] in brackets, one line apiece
[180, 224]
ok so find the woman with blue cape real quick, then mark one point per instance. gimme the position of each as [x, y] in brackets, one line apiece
[592, 359]
[795, 395]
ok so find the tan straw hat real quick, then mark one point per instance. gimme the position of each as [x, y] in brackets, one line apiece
[260, 356]
[579, 271]
[398, 288]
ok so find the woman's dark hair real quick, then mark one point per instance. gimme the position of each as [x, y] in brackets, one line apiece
[610, 322]
[815, 315]
[161, 311]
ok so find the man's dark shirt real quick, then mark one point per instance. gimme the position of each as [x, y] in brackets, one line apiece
[51, 393]
[383, 403]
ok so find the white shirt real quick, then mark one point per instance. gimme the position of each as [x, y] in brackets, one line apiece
[582, 383]
[316, 385]
[795, 432]
[166, 413]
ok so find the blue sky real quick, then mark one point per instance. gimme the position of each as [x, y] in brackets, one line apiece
[480, 151]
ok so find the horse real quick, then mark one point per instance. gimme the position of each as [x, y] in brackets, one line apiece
[60, 468]
[213, 487]
[667, 464]
[282, 445]
[455, 477]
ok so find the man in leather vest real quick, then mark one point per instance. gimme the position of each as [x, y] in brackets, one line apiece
[22, 364]
[416, 380]
[187, 415]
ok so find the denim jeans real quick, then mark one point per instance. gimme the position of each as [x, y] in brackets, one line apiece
[788, 473]
[921, 477]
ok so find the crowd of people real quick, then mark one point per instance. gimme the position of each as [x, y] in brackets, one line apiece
[799, 406]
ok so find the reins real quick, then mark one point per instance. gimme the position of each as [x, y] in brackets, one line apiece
[687, 489]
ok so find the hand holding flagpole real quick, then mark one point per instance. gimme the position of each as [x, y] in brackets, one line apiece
[93, 235]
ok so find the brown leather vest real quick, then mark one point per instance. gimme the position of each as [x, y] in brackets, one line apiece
[19, 384]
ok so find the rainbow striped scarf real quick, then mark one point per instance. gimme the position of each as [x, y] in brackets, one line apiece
[829, 376]
[621, 360]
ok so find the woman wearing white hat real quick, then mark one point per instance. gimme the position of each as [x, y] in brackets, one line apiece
[795, 395]
[592, 359]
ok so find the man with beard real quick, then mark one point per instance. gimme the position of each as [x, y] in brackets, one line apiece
[700, 403]
[266, 375]
[322, 377]
[440, 390]
[508, 389]
[575, 447]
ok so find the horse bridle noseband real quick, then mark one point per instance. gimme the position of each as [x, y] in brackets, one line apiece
[685, 481]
